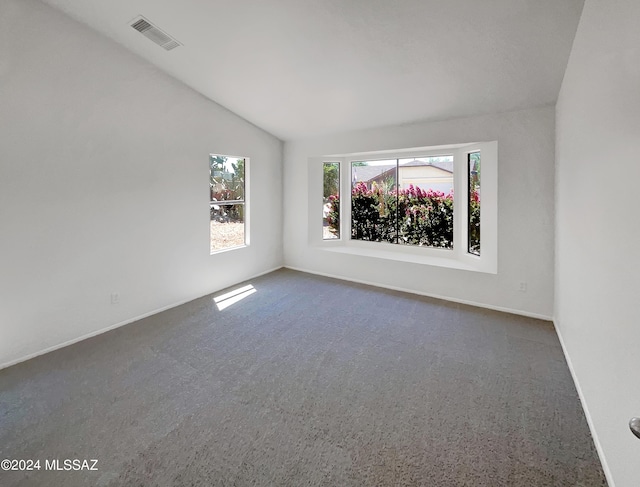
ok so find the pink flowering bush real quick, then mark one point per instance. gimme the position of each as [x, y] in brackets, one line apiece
[411, 216]
[425, 217]
[474, 222]
[372, 214]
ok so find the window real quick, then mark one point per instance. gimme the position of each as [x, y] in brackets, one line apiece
[473, 214]
[406, 201]
[227, 208]
[331, 200]
[417, 205]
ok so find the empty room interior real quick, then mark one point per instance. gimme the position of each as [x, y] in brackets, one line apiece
[319, 242]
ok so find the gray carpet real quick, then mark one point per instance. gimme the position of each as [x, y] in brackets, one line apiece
[308, 381]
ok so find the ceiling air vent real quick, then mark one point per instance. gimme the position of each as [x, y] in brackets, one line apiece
[150, 31]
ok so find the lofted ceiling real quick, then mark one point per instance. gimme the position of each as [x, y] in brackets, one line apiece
[299, 68]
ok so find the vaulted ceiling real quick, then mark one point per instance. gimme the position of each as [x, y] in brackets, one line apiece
[299, 68]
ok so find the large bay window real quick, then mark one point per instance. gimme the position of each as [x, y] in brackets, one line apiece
[420, 205]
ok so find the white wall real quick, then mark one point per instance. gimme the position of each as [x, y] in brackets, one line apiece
[525, 210]
[104, 184]
[598, 225]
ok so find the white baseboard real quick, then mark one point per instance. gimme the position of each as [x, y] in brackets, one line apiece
[585, 408]
[430, 295]
[122, 323]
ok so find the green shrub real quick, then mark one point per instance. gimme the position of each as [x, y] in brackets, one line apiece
[426, 218]
[412, 216]
[373, 214]
[474, 223]
[333, 218]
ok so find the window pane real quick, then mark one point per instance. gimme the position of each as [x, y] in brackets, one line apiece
[425, 201]
[227, 226]
[474, 203]
[227, 184]
[374, 201]
[331, 201]
[226, 177]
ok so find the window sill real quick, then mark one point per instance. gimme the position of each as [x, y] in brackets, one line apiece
[220, 251]
[409, 255]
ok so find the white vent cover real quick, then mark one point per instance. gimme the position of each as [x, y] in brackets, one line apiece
[152, 32]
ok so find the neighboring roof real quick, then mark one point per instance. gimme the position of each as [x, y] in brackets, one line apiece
[367, 173]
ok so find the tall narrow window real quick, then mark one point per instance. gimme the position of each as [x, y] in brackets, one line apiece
[474, 203]
[331, 201]
[227, 201]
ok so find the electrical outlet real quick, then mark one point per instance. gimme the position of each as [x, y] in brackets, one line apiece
[115, 298]
[523, 287]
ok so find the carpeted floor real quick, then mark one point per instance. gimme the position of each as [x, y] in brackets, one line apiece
[307, 381]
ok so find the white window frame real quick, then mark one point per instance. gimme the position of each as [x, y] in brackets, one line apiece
[244, 202]
[458, 257]
[339, 195]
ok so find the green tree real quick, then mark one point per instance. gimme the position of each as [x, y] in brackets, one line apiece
[237, 178]
[331, 178]
[238, 169]
[216, 165]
